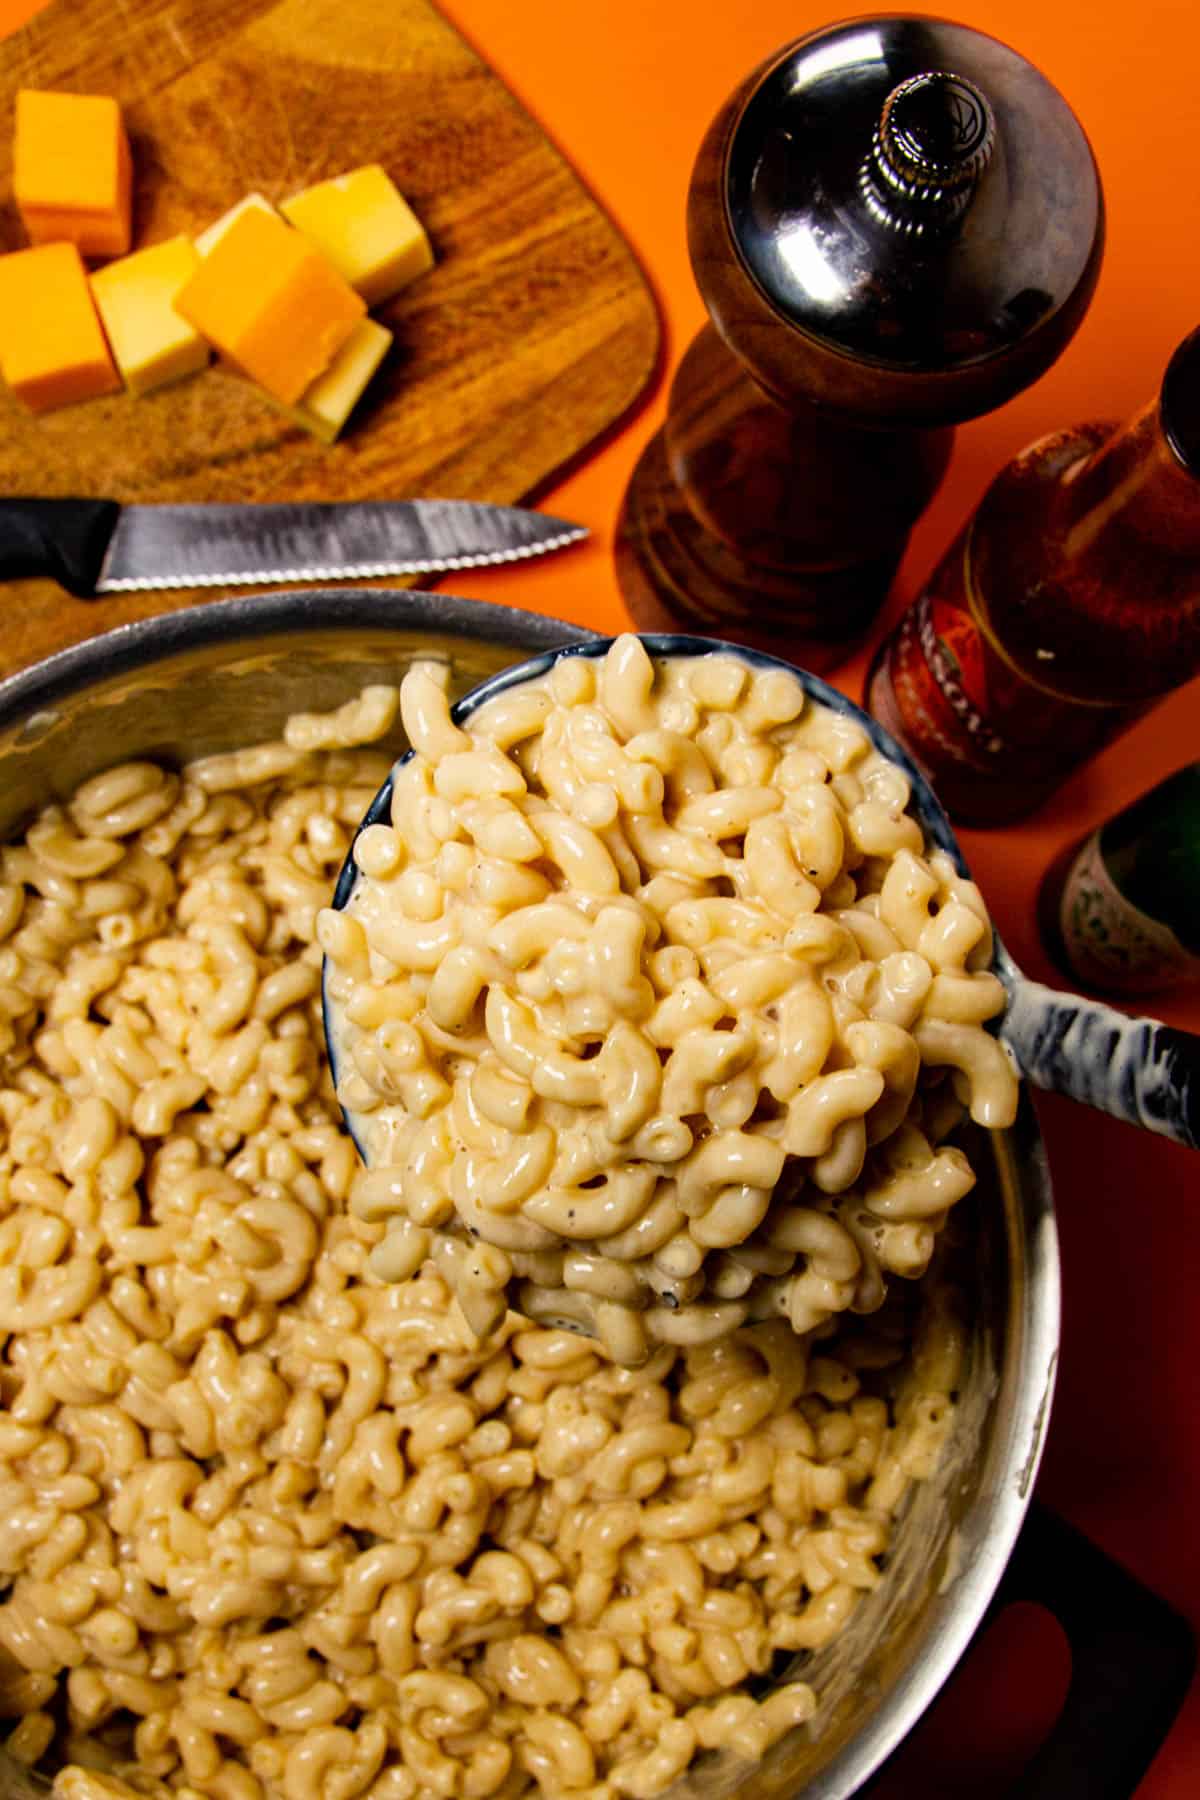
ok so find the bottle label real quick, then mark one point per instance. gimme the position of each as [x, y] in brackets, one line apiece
[993, 740]
[931, 690]
[1109, 942]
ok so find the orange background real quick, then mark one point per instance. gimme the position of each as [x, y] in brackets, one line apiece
[626, 89]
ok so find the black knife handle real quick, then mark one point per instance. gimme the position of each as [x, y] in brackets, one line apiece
[62, 539]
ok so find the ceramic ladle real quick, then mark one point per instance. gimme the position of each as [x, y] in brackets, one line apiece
[1139, 1070]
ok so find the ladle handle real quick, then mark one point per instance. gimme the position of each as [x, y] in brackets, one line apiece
[1138, 1070]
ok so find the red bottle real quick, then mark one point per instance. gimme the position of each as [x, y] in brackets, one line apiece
[1067, 607]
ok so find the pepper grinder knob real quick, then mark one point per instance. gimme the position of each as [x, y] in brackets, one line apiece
[895, 224]
[934, 139]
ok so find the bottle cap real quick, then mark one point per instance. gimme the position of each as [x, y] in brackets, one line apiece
[1179, 404]
[914, 194]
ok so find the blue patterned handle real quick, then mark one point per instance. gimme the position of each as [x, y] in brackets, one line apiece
[1136, 1069]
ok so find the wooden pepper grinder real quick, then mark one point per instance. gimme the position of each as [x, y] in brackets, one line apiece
[896, 224]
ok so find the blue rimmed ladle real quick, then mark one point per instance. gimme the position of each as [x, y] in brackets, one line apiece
[1135, 1069]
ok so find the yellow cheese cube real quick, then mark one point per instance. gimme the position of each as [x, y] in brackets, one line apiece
[52, 350]
[212, 235]
[324, 407]
[135, 298]
[272, 304]
[72, 172]
[367, 230]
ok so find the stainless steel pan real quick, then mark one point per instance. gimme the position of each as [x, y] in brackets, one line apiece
[219, 676]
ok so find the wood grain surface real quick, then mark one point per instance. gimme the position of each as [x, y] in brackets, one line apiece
[533, 333]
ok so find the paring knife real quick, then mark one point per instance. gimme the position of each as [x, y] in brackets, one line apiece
[97, 547]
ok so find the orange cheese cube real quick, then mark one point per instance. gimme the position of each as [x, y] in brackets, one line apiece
[72, 171]
[271, 303]
[52, 349]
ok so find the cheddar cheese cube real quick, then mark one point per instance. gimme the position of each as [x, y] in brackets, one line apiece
[52, 349]
[324, 407]
[366, 228]
[135, 298]
[211, 236]
[272, 304]
[72, 171]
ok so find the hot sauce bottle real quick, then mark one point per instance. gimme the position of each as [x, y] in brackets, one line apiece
[1067, 607]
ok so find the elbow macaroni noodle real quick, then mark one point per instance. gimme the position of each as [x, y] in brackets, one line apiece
[274, 1526]
[651, 1010]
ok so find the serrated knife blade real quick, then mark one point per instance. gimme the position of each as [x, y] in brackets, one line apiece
[97, 547]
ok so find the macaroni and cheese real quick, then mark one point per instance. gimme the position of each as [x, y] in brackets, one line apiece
[651, 1007]
[272, 1526]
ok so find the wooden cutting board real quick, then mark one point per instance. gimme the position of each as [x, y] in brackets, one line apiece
[534, 331]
